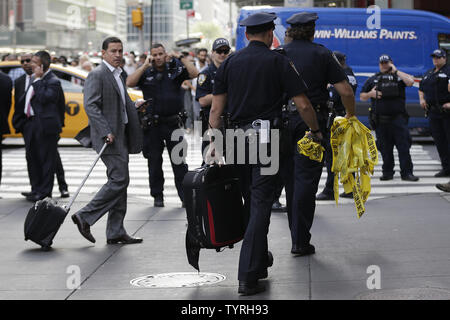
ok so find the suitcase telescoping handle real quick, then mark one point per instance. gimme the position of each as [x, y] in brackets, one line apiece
[71, 201]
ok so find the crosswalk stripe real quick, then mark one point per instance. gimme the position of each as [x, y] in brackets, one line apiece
[76, 160]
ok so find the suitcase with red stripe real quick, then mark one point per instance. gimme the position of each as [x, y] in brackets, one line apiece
[215, 211]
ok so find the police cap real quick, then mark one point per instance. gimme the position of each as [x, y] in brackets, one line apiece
[302, 18]
[220, 42]
[384, 58]
[259, 22]
[438, 53]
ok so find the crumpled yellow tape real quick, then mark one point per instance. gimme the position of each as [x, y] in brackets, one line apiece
[354, 157]
[310, 149]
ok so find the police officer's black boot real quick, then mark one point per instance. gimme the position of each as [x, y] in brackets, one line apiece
[277, 206]
[324, 196]
[159, 201]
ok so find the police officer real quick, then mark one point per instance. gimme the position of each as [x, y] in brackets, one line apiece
[250, 84]
[160, 79]
[220, 51]
[434, 98]
[335, 108]
[386, 90]
[318, 67]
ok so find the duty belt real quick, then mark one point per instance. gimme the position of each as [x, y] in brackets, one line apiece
[319, 108]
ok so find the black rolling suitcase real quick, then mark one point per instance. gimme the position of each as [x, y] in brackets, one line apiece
[215, 211]
[46, 217]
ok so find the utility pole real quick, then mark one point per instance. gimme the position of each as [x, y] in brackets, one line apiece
[151, 23]
[230, 22]
[137, 18]
[187, 25]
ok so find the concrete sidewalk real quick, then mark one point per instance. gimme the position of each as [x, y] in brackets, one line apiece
[407, 237]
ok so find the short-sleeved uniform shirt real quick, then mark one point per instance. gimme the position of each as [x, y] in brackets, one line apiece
[386, 106]
[334, 95]
[164, 88]
[205, 82]
[317, 66]
[434, 85]
[255, 80]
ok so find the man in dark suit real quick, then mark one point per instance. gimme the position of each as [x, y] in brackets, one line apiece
[113, 119]
[5, 106]
[42, 124]
[20, 121]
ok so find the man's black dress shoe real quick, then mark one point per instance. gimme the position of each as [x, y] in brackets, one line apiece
[46, 248]
[126, 239]
[159, 201]
[27, 194]
[36, 197]
[386, 177]
[277, 206]
[346, 195]
[303, 251]
[410, 177]
[324, 196]
[83, 227]
[443, 186]
[65, 194]
[248, 288]
[442, 173]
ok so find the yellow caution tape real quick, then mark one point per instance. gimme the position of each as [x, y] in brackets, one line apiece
[354, 158]
[310, 149]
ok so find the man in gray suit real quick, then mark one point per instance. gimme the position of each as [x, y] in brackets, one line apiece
[113, 119]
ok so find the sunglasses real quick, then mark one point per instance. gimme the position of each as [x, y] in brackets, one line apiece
[220, 51]
[25, 60]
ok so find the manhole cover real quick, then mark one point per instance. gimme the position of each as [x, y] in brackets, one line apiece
[407, 294]
[177, 280]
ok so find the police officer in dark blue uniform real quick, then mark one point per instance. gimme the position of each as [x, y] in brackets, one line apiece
[250, 86]
[434, 96]
[160, 79]
[335, 108]
[386, 90]
[318, 67]
[220, 51]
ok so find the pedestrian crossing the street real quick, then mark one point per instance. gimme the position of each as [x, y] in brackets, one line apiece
[77, 160]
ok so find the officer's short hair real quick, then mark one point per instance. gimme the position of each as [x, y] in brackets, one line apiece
[260, 28]
[156, 46]
[109, 40]
[302, 32]
[45, 59]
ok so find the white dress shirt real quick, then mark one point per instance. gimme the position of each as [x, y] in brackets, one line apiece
[116, 73]
[30, 91]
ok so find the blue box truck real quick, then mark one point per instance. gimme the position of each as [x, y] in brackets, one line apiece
[408, 36]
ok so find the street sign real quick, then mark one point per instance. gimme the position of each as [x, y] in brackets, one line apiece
[186, 4]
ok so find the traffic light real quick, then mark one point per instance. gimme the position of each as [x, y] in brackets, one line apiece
[137, 18]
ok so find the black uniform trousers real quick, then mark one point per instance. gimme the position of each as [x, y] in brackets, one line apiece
[258, 192]
[59, 170]
[392, 133]
[302, 181]
[156, 137]
[440, 130]
[41, 154]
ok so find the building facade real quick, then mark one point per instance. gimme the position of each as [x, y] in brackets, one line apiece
[63, 26]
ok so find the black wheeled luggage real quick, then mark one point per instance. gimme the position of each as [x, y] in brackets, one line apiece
[215, 211]
[46, 217]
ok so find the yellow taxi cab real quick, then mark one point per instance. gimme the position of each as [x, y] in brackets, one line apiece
[72, 81]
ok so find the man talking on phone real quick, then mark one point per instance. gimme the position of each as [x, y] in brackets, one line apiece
[160, 79]
[386, 89]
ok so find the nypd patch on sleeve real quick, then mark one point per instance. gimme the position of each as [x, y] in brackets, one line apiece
[201, 79]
